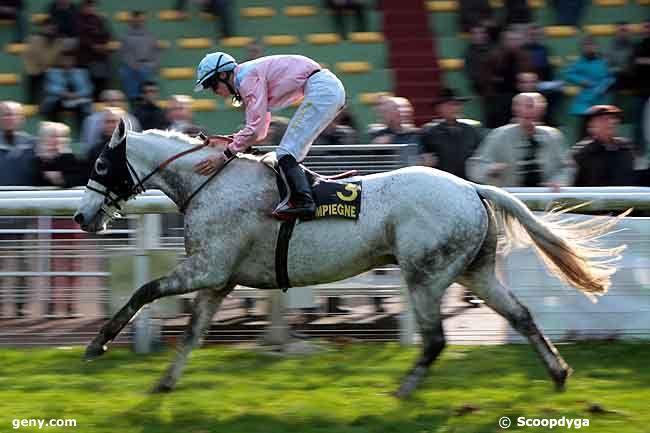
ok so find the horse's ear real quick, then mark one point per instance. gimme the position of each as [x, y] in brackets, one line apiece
[119, 134]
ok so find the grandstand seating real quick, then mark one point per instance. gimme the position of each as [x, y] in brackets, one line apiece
[366, 62]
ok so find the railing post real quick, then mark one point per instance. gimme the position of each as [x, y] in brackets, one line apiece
[147, 232]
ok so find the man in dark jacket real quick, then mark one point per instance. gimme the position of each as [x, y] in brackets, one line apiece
[18, 167]
[604, 159]
[18, 164]
[448, 142]
[147, 111]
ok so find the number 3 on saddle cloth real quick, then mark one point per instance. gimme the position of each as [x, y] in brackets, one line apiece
[335, 198]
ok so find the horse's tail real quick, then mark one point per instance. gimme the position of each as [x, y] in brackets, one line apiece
[569, 249]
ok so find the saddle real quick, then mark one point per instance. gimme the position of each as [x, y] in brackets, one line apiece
[334, 195]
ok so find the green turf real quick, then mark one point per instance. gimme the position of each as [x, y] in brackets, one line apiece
[343, 390]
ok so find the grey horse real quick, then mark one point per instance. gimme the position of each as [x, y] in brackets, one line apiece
[438, 228]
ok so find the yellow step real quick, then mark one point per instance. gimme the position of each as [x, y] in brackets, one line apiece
[610, 2]
[178, 73]
[300, 11]
[9, 79]
[451, 64]
[194, 43]
[236, 41]
[353, 67]
[122, 16]
[370, 98]
[323, 38]
[442, 6]
[15, 48]
[171, 15]
[38, 18]
[30, 110]
[366, 37]
[571, 90]
[600, 29]
[560, 31]
[257, 12]
[280, 40]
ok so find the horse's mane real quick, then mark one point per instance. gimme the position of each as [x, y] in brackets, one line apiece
[170, 133]
[180, 136]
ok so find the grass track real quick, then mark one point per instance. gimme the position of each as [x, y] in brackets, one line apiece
[344, 390]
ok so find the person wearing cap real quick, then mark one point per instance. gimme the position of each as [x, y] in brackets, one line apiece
[522, 153]
[447, 142]
[267, 84]
[603, 159]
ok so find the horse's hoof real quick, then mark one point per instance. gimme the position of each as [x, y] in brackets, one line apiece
[94, 351]
[560, 379]
[162, 387]
[410, 383]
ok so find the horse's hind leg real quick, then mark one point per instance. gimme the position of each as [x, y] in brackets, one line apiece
[481, 278]
[425, 300]
[206, 304]
[427, 279]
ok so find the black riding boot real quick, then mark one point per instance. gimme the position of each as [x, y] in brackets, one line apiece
[301, 203]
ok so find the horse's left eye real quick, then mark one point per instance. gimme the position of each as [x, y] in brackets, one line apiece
[101, 167]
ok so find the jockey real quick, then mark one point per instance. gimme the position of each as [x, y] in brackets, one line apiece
[271, 83]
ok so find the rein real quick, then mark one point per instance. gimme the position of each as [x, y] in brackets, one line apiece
[113, 198]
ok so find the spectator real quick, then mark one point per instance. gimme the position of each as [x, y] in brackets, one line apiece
[110, 119]
[180, 116]
[448, 143]
[220, 8]
[473, 13]
[604, 159]
[18, 167]
[254, 50]
[398, 120]
[619, 55]
[517, 12]
[338, 133]
[43, 52]
[147, 111]
[538, 53]
[528, 82]
[67, 88]
[339, 8]
[140, 56]
[590, 72]
[94, 54]
[64, 13]
[14, 10]
[504, 63]
[59, 167]
[640, 82]
[569, 12]
[476, 57]
[523, 153]
[92, 127]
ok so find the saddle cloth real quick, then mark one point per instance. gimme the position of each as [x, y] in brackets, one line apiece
[334, 198]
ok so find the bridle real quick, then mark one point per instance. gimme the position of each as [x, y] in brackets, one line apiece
[125, 189]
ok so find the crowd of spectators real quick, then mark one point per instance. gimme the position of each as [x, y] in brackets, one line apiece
[516, 142]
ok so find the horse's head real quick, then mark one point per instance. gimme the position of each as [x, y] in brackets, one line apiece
[110, 184]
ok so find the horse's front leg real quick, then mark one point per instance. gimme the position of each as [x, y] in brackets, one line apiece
[195, 273]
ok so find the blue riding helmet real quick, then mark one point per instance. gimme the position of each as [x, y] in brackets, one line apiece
[209, 69]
